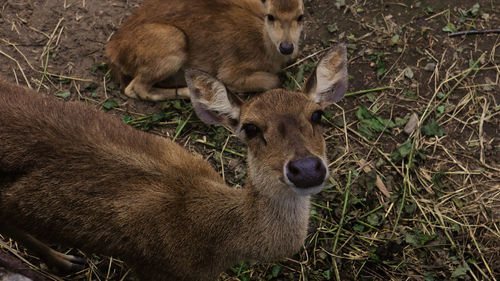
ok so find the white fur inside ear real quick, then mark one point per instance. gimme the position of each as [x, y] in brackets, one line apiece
[330, 82]
[323, 80]
[219, 102]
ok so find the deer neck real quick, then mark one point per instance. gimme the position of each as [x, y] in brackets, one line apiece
[281, 218]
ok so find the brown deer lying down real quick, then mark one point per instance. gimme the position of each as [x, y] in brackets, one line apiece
[243, 43]
[78, 177]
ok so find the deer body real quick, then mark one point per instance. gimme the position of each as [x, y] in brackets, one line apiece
[78, 177]
[230, 39]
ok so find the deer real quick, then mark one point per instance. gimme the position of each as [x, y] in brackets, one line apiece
[243, 43]
[75, 176]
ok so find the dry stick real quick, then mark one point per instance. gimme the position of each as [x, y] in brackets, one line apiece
[203, 141]
[474, 31]
[481, 254]
[378, 150]
[15, 75]
[47, 73]
[183, 124]
[46, 53]
[19, 51]
[25, 261]
[368, 91]
[481, 122]
[306, 58]
[221, 157]
[20, 68]
[394, 64]
[346, 199]
[346, 149]
[465, 75]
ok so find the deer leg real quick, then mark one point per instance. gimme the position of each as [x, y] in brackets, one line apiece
[160, 54]
[60, 261]
[258, 81]
[159, 94]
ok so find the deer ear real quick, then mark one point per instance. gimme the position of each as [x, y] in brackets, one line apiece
[210, 99]
[328, 83]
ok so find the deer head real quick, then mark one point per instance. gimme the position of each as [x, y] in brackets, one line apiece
[283, 130]
[283, 24]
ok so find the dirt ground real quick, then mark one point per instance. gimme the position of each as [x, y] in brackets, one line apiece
[429, 209]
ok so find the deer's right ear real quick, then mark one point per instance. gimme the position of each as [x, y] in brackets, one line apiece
[210, 99]
[328, 83]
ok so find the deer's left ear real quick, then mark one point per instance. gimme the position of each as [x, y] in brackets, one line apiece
[328, 83]
[210, 99]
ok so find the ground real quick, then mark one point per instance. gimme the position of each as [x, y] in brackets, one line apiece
[414, 190]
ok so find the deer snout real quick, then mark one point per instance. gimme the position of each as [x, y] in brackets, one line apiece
[306, 172]
[286, 48]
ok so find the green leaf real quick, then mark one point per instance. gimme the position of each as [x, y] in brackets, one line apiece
[91, 87]
[419, 239]
[379, 64]
[394, 39]
[409, 94]
[327, 274]
[411, 239]
[401, 122]
[64, 95]
[358, 227]
[410, 207]
[276, 270]
[475, 9]
[450, 27]
[440, 110]
[332, 28]
[433, 129]
[374, 219]
[459, 271]
[370, 124]
[429, 276]
[402, 151]
[437, 179]
[370, 179]
[109, 104]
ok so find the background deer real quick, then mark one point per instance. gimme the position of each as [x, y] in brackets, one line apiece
[243, 43]
[78, 177]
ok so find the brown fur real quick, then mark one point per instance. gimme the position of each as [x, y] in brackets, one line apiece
[229, 39]
[79, 177]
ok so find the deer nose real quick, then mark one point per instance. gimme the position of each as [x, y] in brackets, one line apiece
[306, 172]
[286, 48]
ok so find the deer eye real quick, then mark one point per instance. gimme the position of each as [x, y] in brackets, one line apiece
[251, 130]
[316, 117]
[300, 18]
[270, 18]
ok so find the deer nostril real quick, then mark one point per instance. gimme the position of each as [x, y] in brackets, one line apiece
[293, 169]
[286, 48]
[306, 172]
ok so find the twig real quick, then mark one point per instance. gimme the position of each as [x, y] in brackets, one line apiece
[368, 91]
[473, 32]
[179, 130]
[202, 141]
[344, 211]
